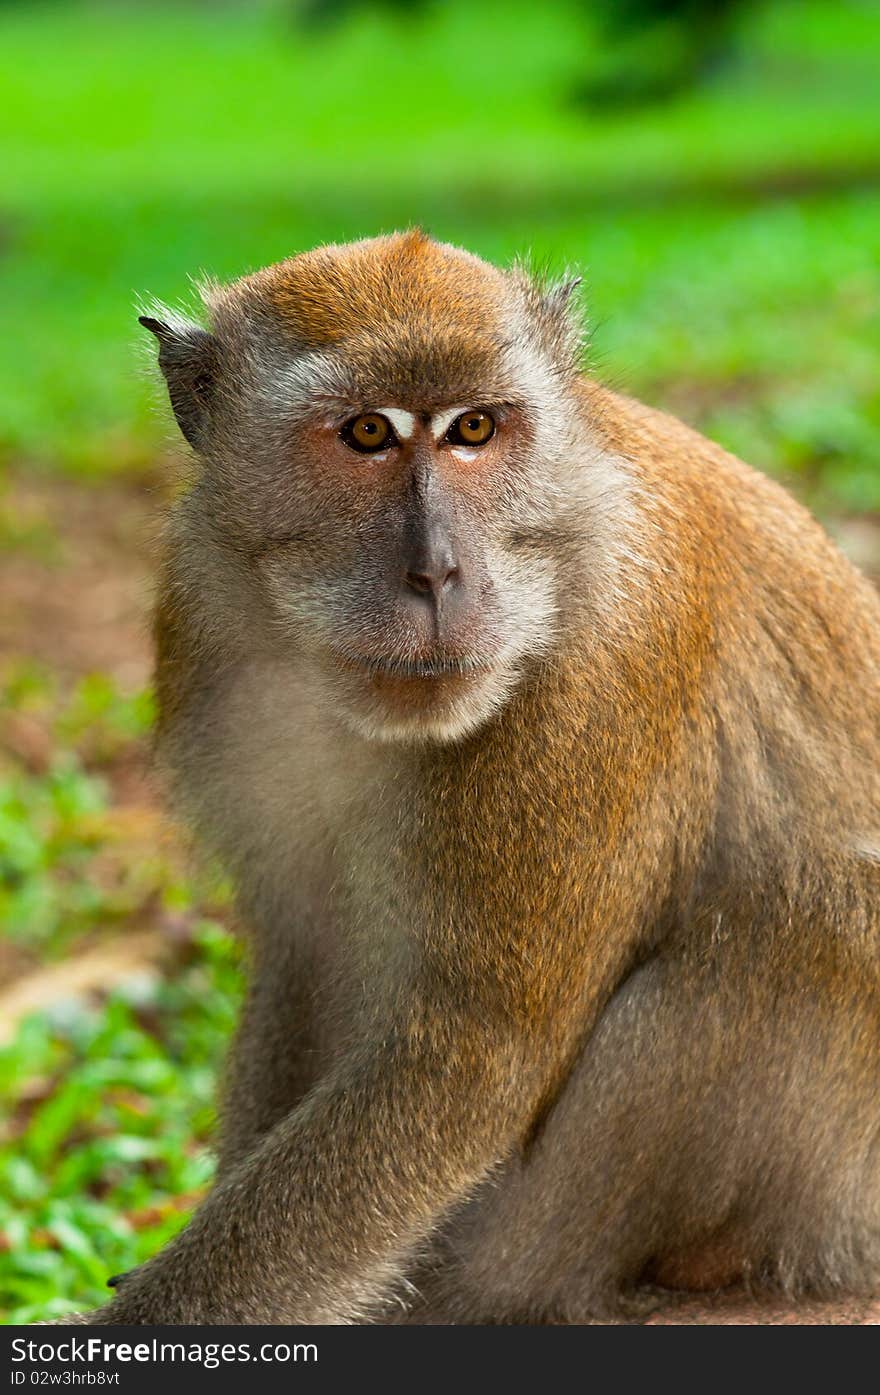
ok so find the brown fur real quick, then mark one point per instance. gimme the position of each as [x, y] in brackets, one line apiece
[366, 289]
[565, 986]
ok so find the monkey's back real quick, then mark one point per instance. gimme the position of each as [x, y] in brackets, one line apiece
[793, 678]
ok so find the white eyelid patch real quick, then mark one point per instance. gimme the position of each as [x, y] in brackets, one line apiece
[404, 423]
[441, 421]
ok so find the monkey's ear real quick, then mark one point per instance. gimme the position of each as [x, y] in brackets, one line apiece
[562, 319]
[558, 296]
[188, 360]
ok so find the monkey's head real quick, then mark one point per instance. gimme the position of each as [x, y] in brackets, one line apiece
[387, 433]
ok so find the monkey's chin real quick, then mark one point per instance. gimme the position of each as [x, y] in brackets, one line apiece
[424, 708]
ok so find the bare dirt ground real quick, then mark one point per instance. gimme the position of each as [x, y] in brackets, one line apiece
[732, 1309]
[77, 598]
[79, 602]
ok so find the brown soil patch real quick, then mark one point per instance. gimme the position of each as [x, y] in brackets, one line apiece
[75, 596]
[81, 602]
[733, 1309]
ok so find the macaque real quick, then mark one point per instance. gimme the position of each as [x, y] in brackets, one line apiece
[540, 737]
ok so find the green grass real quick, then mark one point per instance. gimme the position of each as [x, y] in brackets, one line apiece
[71, 865]
[108, 1116]
[106, 1108]
[142, 146]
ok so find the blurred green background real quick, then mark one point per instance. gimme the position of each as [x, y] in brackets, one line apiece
[715, 173]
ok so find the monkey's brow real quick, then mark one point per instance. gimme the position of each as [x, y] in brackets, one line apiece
[337, 410]
[405, 423]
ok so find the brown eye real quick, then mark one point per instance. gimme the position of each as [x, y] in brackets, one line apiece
[471, 429]
[368, 433]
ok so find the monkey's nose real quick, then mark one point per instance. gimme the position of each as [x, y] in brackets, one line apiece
[429, 559]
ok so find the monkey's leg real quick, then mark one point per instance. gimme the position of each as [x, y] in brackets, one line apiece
[699, 1142]
[555, 1235]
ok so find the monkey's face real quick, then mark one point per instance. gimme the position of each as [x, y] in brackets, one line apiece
[388, 430]
[409, 567]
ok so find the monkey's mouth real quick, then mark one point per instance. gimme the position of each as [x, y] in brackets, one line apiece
[433, 667]
[433, 695]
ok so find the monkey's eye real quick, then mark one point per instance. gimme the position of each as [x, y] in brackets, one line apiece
[368, 433]
[471, 429]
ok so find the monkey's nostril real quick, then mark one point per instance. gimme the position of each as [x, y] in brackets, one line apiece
[419, 581]
[431, 582]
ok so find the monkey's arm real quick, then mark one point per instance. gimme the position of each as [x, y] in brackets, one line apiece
[313, 1226]
[276, 1057]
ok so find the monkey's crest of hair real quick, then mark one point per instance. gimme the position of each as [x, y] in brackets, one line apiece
[363, 291]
